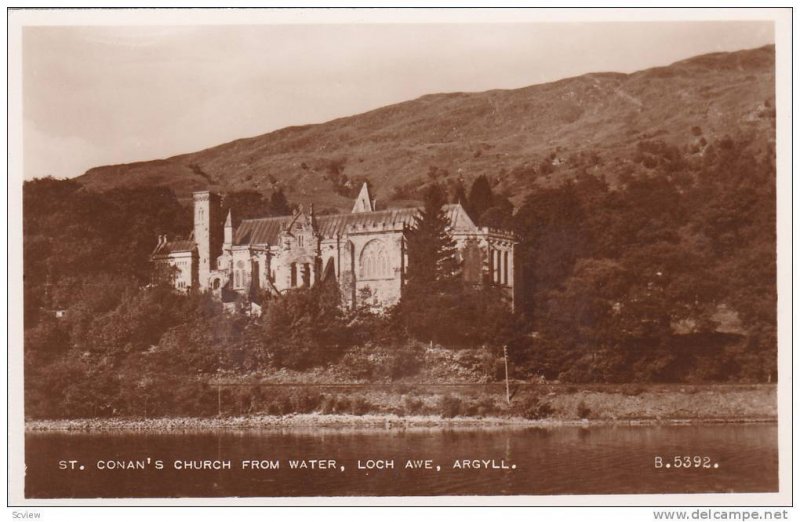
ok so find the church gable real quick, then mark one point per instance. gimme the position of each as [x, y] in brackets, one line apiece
[364, 202]
[460, 222]
[300, 233]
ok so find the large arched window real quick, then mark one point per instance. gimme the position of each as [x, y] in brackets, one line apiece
[374, 263]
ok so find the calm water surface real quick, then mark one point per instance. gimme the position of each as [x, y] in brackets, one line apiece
[529, 461]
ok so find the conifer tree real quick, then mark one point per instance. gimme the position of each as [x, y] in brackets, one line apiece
[459, 195]
[278, 204]
[432, 263]
[481, 197]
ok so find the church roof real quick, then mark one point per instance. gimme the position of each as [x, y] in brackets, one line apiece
[260, 231]
[173, 247]
[266, 230]
[329, 226]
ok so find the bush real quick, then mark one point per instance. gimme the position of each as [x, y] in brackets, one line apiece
[583, 410]
[535, 409]
[405, 362]
[450, 407]
[413, 405]
[486, 406]
[360, 406]
[328, 405]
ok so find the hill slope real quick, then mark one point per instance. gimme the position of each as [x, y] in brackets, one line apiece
[522, 137]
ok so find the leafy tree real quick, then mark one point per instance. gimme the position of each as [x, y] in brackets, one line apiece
[499, 215]
[304, 327]
[551, 223]
[74, 235]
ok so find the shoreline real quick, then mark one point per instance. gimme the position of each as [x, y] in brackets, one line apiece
[347, 421]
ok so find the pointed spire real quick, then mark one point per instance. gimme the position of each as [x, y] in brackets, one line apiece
[364, 202]
[227, 239]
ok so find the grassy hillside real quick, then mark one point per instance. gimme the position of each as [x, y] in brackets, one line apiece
[521, 138]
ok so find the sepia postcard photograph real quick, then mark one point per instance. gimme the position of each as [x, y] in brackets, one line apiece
[399, 257]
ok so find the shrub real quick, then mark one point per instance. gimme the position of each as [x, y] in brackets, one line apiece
[328, 405]
[358, 364]
[583, 410]
[450, 406]
[304, 401]
[406, 361]
[341, 404]
[413, 405]
[360, 406]
[486, 406]
[534, 408]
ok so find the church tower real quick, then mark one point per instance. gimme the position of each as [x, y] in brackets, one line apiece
[207, 233]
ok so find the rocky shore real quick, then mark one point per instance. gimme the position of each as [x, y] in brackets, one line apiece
[648, 405]
[318, 421]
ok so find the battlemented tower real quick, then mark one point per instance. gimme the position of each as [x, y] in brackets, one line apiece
[207, 233]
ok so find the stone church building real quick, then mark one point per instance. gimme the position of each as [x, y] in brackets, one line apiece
[364, 251]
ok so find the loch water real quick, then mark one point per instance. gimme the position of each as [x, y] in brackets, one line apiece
[618, 459]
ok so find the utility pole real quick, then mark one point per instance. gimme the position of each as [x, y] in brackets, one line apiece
[505, 359]
[219, 399]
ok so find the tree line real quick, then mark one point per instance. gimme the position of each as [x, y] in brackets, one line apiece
[666, 275]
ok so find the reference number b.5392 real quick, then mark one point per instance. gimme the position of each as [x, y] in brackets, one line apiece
[684, 462]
